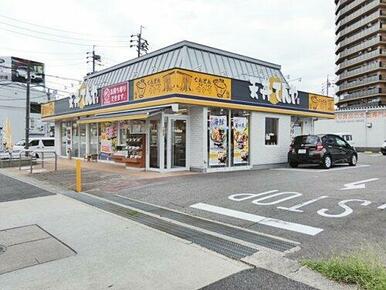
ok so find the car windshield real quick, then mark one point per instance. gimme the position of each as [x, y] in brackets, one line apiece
[309, 139]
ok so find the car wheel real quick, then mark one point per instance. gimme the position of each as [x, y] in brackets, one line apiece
[293, 164]
[384, 153]
[353, 160]
[327, 162]
[36, 155]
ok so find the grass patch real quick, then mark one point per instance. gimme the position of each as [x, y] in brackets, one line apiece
[364, 270]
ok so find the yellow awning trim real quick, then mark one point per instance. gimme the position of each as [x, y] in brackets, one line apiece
[112, 119]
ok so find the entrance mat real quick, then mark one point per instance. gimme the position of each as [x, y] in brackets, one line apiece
[28, 246]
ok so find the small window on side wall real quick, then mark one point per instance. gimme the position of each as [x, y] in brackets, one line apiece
[271, 131]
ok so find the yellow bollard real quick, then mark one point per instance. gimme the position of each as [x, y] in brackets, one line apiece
[78, 170]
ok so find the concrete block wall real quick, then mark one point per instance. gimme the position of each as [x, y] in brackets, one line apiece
[198, 138]
[269, 154]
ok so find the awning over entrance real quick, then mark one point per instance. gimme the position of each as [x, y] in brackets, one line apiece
[124, 115]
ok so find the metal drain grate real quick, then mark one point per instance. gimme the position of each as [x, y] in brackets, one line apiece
[2, 249]
[254, 238]
[219, 245]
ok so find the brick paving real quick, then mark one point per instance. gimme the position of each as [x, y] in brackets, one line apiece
[98, 177]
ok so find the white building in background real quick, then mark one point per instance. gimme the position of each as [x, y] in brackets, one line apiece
[12, 106]
[366, 125]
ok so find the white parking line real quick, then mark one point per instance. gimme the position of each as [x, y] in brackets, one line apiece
[276, 223]
[311, 169]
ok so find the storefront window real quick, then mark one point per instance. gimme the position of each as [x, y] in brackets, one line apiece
[82, 140]
[240, 138]
[75, 140]
[108, 140]
[63, 139]
[218, 137]
[93, 138]
[130, 127]
[123, 132]
[271, 131]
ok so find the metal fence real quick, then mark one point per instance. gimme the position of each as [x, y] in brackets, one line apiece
[31, 156]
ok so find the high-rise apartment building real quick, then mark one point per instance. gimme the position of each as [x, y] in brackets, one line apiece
[361, 52]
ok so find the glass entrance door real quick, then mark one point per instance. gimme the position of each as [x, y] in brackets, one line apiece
[176, 152]
[154, 140]
[178, 143]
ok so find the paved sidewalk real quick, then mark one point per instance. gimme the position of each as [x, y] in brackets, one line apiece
[112, 253]
[97, 176]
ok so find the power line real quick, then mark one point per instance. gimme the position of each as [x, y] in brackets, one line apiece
[60, 41]
[8, 98]
[53, 28]
[41, 52]
[60, 36]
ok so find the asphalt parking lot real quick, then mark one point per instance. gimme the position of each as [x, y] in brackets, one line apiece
[326, 211]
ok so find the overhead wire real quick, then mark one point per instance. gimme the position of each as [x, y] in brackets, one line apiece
[60, 41]
[53, 28]
[60, 36]
[42, 52]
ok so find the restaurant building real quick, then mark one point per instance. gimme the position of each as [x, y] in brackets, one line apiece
[185, 107]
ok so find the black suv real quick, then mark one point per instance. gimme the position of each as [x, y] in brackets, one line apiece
[326, 150]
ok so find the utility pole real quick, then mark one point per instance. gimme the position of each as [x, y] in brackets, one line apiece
[27, 107]
[140, 44]
[94, 58]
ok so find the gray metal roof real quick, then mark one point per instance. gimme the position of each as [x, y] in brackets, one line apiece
[186, 55]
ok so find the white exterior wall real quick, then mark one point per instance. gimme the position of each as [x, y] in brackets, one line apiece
[269, 154]
[198, 138]
[58, 138]
[355, 122]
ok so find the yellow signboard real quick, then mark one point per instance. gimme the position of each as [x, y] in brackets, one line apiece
[321, 103]
[48, 109]
[178, 81]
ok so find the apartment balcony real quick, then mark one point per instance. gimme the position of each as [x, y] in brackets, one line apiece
[366, 9]
[356, 25]
[339, 4]
[357, 84]
[357, 60]
[360, 94]
[359, 71]
[347, 8]
[358, 36]
[365, 45]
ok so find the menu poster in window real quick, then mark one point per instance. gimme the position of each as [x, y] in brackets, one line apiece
[240, 140]
[108, 140]
[218, 144]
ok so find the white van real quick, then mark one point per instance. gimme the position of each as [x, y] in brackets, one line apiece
[37, 144]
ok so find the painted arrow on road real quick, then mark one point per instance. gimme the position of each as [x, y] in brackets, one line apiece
[358, 184]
